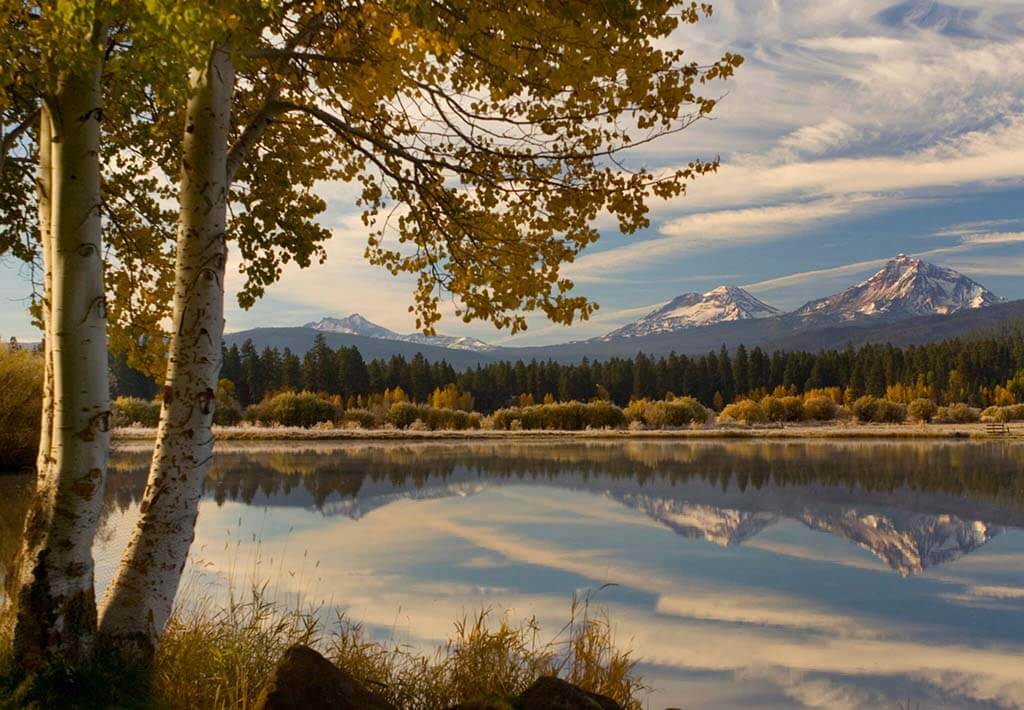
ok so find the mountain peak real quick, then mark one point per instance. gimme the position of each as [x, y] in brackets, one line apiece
[691, 310]
[906, 286]
[356, 324]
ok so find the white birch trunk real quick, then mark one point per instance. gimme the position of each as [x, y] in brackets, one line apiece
[139, 601]
[44, 191]
[52, 590]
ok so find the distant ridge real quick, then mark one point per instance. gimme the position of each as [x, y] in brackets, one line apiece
[356, 324]
[299, 340]
[907, 302]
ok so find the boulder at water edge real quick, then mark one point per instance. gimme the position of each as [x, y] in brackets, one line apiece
[305, 680]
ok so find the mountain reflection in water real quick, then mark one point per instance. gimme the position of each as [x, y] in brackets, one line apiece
[731, 592]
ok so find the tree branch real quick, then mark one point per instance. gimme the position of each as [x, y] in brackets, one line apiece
[9, 139]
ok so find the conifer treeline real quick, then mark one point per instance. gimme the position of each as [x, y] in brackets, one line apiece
[980, 372]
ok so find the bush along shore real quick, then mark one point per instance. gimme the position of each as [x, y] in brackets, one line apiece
[448, 411]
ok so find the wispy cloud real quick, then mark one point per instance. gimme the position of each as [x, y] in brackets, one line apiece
[696, 233]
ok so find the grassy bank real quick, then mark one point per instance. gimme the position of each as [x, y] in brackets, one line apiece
[837, 430]
[220, 658]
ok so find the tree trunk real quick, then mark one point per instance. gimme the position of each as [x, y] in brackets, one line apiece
[139, 601]
[52, 586]
[44, 191]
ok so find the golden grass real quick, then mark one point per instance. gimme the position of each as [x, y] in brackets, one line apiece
[21, 396]
[213, 659]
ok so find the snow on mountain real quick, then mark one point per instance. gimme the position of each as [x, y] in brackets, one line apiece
[721, 526]
[907, 542]
[905, 287]
[692, 310]
[452, 342]
[356, 324]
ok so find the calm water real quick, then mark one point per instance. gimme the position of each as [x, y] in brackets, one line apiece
[746, 574]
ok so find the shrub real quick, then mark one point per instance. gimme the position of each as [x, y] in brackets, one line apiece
[793, 409]
[864, 408]
[21, 397]
[362, 418]
[444, 419]
[872, 409]
[634, 411]
[603, 415]
[921, 410]
[958, 413]
[891, 412]
[132, 411]
[773, 409]
[820, 408]
[227, 411]
[403, 415]
[677, 412]
[288, 408]
[561, 416]
[1008, 413]
[747, 411]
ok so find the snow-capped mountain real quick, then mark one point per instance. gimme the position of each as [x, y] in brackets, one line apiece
[692, 310]
[356, 324]
[907, 542]
[905, 287]
[722, 526]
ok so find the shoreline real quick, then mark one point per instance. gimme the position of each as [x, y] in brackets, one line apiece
[800, 431]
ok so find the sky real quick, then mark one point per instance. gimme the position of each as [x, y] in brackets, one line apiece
[855, 130]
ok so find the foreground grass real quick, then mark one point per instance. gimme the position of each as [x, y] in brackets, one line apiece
[214, 658]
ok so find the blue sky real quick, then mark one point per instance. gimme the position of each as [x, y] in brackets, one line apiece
[856, 129]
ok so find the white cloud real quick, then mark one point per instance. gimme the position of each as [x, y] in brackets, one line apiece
[820, 138]
[804, 277]
[695, 233]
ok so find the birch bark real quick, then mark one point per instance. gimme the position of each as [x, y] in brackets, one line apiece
[52, 587]
[139, 601]
[44, 191]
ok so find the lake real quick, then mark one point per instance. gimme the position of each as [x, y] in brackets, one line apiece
[743, 573]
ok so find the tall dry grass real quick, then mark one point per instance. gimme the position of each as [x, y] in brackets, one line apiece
[219, 658]
[21, 397]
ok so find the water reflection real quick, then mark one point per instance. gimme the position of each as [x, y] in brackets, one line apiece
[767, 574]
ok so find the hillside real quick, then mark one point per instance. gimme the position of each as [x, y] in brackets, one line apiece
[300, 339]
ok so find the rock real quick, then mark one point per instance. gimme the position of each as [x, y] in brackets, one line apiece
[551, 693]
[305, 680]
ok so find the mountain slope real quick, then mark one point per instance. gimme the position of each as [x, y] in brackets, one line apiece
[904, 287]
[781, 333]
[693, 310]
[356, 324]
[300, 340]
